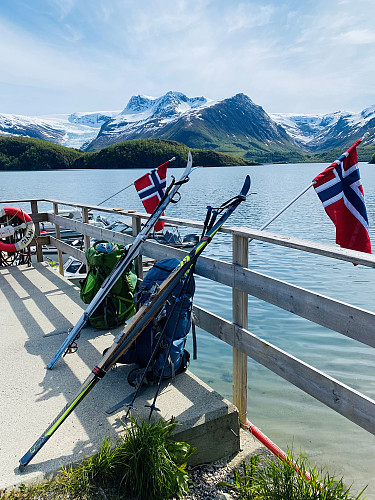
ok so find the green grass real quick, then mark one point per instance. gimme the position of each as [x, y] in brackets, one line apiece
[145, 465]
[277, 479]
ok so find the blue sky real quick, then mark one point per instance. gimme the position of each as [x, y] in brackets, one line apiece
[299, 56]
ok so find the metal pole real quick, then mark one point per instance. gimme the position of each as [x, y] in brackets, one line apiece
[367, 134]
[121, 190]
[287, 206]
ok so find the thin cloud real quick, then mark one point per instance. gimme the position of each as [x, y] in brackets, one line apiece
[358, 37]
[311, 56]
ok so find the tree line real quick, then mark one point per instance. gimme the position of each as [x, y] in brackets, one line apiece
[22, 153]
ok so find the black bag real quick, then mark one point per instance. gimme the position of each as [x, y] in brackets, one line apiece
[173, 323]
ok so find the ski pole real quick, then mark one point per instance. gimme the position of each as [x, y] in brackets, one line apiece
[152, 406]
[157, 345]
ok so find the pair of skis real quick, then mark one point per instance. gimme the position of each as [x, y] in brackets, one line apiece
[129, 401]
[125, 261]
[139, 321]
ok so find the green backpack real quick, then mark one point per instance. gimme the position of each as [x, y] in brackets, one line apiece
[118, 305]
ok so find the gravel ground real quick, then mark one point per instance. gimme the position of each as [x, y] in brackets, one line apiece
[206, 478]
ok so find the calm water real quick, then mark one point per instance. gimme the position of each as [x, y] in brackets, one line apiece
[288, 416]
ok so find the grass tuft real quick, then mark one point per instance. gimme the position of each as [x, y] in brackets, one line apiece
[145, 464]
[277, 479]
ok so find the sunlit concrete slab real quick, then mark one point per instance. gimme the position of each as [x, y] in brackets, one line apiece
[37, 307]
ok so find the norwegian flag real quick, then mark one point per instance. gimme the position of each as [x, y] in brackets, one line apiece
[151, 189]
[340, 190]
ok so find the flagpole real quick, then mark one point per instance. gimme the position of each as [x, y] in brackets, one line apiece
[286, 206]
[365, 135]
[118, 192]
[132, 184]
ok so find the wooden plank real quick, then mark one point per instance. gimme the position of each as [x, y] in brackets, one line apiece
[99, 208]
[91, 230]
[343, 318]
[338, 316]
[317, 248]
[136, 229]
[346, 319]
[330, 251]
[68, 249]
[85, 219]
[34, 212]
[39, 216]
[59, 252]
[240, 250]
[42, 240]
[350, 403]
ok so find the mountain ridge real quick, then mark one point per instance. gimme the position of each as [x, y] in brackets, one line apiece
[234, 125]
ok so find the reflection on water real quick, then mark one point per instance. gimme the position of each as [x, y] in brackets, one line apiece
[290, 417]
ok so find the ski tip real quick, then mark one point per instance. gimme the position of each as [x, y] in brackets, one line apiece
[246, 187]
[189, 165]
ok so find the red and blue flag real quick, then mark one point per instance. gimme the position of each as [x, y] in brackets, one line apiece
[340, 190]
[151, 188]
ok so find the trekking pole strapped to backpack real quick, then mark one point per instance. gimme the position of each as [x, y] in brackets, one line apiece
[136, 325]
[176, 318]
[127, 257]
[166, 358]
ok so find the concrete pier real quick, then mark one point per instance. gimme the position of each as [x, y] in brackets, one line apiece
[37, 307]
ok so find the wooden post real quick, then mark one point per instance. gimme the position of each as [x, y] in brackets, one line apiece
[39, 251]
[240, 317]
[58, 236]
[85, 218]
[136, 226]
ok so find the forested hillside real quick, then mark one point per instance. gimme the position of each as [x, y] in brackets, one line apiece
[21, 153]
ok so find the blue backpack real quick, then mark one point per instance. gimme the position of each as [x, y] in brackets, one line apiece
[173, 323]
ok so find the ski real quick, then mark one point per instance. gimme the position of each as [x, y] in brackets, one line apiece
[137, 324]
[125, 260]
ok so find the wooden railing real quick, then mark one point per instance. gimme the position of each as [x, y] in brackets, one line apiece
[343, 318]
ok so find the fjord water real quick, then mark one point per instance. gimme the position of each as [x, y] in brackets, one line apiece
[287, 415]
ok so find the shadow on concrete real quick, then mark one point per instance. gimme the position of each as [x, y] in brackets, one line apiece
[35, 302]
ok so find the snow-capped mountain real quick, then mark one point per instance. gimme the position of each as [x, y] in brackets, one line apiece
[196, 122]
[68, 130]
[235, 124]
[323, 132]
[302, 127]
[146, 116]
[166, 107]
